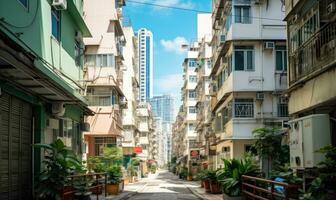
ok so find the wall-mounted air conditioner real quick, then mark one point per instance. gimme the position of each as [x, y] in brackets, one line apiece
[59, 4]
[269, 45]
[307, 135]
[58, 109]
[260, 96]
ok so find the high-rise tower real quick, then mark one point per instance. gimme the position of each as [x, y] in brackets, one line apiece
[145, 39]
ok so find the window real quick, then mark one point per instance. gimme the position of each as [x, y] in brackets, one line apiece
[24, 3]
[280, 58]
[193, 78]
[103, 142]
[191, 127]
[192, 109]
[282, 107]
[244, 58]
[227, 113]
[192, 94]
[77, 53]
[209, 63]
[100, 60]
[56, 24]
[192, 63]
[242, 14]
[250, 149]
[244, 108]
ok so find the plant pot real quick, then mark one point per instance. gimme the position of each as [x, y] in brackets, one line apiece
[215, 187]
[227, 197]
[126, 181]
[189, 178]
[202, 184]
[207, 185]
[112, 189]
[66, 195]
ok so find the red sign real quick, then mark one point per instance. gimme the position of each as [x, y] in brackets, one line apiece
[137, 150]
[194, 153]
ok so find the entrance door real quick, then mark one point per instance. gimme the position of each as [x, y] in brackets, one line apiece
[15, 148]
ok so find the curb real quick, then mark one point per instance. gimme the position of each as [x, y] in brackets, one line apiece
[196, 193]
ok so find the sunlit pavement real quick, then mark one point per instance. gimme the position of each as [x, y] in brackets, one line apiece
[163, 186]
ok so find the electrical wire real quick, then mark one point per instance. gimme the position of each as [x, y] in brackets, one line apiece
[193, 10]
[25, 26]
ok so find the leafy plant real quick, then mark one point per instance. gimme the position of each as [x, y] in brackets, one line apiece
[184, 172]
[112, 156]
[231, 174]
[82, 187]
[202, 175]
[95, 164]
[59, 162]
[315, 191]
[114, 174]
[327, 167]
[268, 145]
[286, 173]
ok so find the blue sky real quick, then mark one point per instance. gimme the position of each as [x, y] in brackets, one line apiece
[170, 28]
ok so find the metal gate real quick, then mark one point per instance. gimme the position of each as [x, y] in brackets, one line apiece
[15, 148]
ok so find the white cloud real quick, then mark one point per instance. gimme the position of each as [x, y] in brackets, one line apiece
[171, 83]
[174, 45]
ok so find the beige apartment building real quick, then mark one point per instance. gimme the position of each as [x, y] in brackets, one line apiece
[103, 74]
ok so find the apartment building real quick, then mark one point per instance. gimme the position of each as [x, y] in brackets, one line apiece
[163, 106]
[130, 88]
[41, 68]
[103, 74]
[146, 138]
[203, 119]
[311, 36]
[179, 147]
[249, 73]
[146, 55]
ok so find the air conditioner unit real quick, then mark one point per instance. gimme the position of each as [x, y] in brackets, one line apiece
[58, 109]
[59, 4]
[85, 127]
[269, 45]
[260, 96]
[222, 38]
[331, 8]
[306, 136]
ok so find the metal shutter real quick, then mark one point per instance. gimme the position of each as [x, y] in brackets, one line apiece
[15, 148]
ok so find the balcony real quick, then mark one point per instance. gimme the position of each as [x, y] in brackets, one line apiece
[314, 56]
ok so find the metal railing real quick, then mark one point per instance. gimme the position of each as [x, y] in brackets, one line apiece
[264, 189]
[282, 110]
[315, 54]
[244, 110]
[98, 180]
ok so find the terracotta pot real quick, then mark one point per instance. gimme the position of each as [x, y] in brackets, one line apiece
[202, 184]
[66, 195]
[206, 183]
[227, 197]
[189, 178]
[112, 189]
[215, 188]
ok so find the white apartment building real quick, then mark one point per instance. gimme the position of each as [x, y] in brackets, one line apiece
[145, 40]
[130, 88]
[249, 73]
[103, 74]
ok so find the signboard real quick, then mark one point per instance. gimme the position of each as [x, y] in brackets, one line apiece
[137, 150]
[194, 153]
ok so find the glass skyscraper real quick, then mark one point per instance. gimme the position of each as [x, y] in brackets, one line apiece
[163, 107]
[145, 39]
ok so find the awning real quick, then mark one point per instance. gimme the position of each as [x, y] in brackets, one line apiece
[26, 71]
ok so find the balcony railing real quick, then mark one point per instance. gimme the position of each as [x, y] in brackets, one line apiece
[314, 55]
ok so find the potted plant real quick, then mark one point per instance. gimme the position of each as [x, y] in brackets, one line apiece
[231, 176]
[189, 177]
[59, 162]
[183, 173]
[113, 179]
[82, 188]
[206, 180]
[213, 182]
[200, 176]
